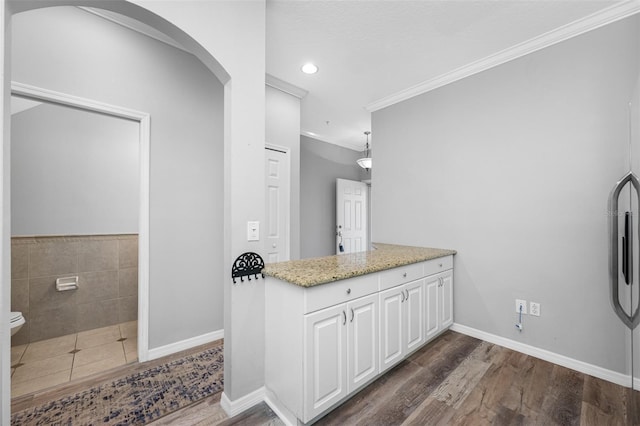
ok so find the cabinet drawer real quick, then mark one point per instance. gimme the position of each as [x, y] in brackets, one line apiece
[400, 275]
[434, 266]
[325, 295]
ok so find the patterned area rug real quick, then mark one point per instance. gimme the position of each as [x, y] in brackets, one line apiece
[135, 399]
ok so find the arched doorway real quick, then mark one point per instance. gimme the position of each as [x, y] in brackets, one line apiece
[149, 18]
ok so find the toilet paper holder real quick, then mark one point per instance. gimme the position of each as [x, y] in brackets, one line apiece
[67, 283]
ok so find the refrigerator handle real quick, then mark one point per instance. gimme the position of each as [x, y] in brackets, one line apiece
[632, 320]
[627, 249]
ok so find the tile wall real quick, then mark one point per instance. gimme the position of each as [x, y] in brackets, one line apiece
[107, 294]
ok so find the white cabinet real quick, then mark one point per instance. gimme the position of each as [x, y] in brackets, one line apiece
[341, 352]
[402, 320]
[439, 303]
[324, 343]
[326, 359]
[391, 328]
[446, 299]
[362, 341]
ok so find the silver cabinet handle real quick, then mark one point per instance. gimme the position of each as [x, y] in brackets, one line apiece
[407, 298]
[348, 291]
[352, 315]
[402, 293]
[404, 275]
[440, 265]
[345, 317]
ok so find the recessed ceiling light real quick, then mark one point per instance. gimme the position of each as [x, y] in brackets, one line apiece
[309, 68]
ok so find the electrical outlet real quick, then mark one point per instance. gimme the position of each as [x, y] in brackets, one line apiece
[534, 309]
[523, 304]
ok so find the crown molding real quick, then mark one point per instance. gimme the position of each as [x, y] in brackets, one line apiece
[333, 141]
[133, 25]
[591, 22]
[283, 86]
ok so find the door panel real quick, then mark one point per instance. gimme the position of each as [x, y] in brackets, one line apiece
[414, 316]
[325, 359]
[276, 234]
[446, 306]
[363, 341]
[432, 313]
[391, 333]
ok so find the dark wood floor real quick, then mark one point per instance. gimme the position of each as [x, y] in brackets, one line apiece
[454, 380]
[459, 380]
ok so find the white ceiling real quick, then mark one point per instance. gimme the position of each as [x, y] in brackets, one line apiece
[370, 50]
[372, 53]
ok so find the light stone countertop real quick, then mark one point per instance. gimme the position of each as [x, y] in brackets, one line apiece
[322, 270]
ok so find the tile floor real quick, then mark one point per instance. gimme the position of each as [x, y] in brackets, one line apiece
[47, 363]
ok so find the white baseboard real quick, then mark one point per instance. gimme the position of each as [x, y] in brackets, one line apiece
[233, 408]
[182, 345]
[574, 364]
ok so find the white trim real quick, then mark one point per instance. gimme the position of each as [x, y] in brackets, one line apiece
[574, 364]
[47, 95]
[185, 344]
[144, 121]
[284, 86]
[596, 20]
[143, 240]
[133, 25]
[333, 141]
[233, 408]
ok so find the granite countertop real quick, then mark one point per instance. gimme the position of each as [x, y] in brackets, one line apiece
[322, 270]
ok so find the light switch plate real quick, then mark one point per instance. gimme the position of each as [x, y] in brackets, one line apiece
[253, 231]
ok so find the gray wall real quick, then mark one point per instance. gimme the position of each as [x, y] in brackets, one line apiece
[67, 50]
[73, 172]
[321, 164]
[512, 167]
[282, 122]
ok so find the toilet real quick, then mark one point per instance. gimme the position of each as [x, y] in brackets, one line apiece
[17, 321]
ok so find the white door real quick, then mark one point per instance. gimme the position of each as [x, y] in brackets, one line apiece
[391, 330]
[446, 298]
[432, 313]
[414, 314]
[351, 216]
[362, 340]
[325, 369]
[277, 205]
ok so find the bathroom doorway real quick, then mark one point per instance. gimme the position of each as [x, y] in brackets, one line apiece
[77, 228]
[60, 48]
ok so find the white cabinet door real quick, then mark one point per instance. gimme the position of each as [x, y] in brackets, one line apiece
[432, 302]
[446, 299]
[413, 307]
[391, 327]
[362, 341]
[325, 378]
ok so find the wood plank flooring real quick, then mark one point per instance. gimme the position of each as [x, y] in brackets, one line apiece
[459, 380]
[454, 380]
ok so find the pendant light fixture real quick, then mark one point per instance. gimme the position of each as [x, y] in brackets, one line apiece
[365, 162]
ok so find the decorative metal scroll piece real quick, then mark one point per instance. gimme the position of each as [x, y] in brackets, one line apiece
[247, 264]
